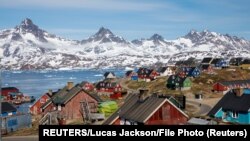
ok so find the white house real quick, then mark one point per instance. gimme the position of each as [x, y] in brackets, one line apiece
[165, 71]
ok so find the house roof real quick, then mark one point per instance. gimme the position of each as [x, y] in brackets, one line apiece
[235, 82]
[236, 61]
[46, 104]
[83, 83]
[46, 94]
[96, 97]
[9, 88]
[64, 95]
[232, 102]
[193, 68]
[128, 72]
[107, 84]
[162, 69]
[175, 102]
[188, 62]
[110, 120]
[138, 111]
[246, 61]
[216, 60]
[50, 100]
[143, 71]
[7, 107]
[107, 73]
[206, 60]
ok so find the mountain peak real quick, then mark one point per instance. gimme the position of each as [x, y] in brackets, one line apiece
[27, 26]
[103, 31]
[206, 30]
[27, 22]
[156, 37]
[104, 35]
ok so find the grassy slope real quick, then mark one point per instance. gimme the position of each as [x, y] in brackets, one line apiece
[203, 83]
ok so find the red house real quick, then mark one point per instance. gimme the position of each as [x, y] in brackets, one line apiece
[87, 86]
[117, 92]
[110, 87]
[153, 74]
[227, 85]
[147, 110]
[35, 109]
[182, 74]
[147, 74]
[67, 102]
[7, 90]
[48, 106]
[113, 89]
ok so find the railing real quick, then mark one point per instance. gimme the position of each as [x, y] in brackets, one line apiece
[49, 118]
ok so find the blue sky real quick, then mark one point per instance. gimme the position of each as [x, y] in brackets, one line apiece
[131, 19]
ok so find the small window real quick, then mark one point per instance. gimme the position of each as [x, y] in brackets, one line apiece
[59, 108]
[42, 100]
[235, 114]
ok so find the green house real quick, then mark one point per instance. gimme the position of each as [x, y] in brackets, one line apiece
[176, 82]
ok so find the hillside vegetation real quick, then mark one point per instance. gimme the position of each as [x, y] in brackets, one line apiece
[203, 83]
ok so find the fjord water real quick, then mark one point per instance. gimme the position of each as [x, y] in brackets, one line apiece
[36, 83]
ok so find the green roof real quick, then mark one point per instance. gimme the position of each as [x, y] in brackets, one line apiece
[64, 95]
[175, 102]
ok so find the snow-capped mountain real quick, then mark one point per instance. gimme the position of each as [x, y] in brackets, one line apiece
[104, 35]
[28, 47]
[212, 41]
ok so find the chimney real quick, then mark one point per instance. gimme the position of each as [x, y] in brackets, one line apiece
[70, 85]
[143, 94]
[50, 92]
[238, 92]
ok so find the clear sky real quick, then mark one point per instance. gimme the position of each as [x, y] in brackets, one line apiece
[78, 19]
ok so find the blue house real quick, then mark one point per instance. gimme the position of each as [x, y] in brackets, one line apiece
[189, 71]
[11, 121]
[134, 77]
[233, 107]
[194, 72]
[8, 109]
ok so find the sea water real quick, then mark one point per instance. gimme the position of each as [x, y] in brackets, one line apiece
[36, 83]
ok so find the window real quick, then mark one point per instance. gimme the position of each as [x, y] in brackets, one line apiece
[42, 100]
[235, 114]
[225, 114]
[59, 108]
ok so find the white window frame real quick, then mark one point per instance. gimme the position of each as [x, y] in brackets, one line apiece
[59, 107]
[235, 114]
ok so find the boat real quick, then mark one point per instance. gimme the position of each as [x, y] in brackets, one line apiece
[28, 99]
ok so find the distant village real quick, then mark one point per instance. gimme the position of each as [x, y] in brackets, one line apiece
[211, 91]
